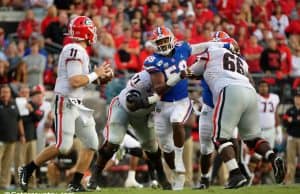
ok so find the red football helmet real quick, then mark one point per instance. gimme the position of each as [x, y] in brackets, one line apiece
[163, 39]
[82, 28]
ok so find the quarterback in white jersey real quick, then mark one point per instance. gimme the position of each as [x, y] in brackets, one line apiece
[71, 117]
[235, 100]
[268, 115]
[132, 106]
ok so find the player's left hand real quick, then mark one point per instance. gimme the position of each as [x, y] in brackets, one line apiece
[234, 48]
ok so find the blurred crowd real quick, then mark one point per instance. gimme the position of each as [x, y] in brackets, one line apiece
[268, 32]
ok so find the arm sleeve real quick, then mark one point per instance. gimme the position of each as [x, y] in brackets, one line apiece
[199, 66]
[74, 68]
[200, 47]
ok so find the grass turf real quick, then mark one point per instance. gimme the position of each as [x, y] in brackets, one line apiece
[266, 189]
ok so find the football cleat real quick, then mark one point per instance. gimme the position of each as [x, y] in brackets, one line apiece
[24, 176]
[75, 188]
[236, 181]
[279, 169]
[203, 184]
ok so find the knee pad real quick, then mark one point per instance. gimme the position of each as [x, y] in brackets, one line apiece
[108, 150]
[221, 144]
[206, 146]
[255, 143]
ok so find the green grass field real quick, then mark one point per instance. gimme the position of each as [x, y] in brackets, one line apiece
[274, 189]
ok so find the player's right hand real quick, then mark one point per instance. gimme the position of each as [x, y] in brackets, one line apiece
[104, 72]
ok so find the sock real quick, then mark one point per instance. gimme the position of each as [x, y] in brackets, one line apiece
[233, 167]
[151, 170]
[131, 175]
[77, 178]
[31, 167]
[205, 175]
[179, 165]
[178, 153]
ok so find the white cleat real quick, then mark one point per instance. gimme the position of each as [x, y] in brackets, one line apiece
[178, 181]
[132, 183]
[154, 184]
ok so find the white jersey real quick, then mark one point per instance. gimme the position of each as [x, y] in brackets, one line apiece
[267, 110]
[140, 82]
[73, 60]
[221, 68]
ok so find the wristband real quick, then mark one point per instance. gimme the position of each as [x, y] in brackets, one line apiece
[153, 99]
[92, 77]
[173, 79]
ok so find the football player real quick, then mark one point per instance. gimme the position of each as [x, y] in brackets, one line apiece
[269, 123]
[132, 106]
[235, 100]
[206, 129]
[71, 116]
[167, 66]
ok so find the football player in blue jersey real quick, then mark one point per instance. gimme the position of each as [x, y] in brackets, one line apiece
[167, 67]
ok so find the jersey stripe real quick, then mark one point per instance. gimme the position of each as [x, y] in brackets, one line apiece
[73, 59]
[59, 121]
[216, 115]
[109, 116]
[188, 113]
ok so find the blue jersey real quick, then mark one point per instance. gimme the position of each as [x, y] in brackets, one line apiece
[168, 65]
[206, 94]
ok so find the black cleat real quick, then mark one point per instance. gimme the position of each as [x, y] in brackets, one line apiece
[93, 185]
[236, 181]
[246, 172]
[203, 184]
[75, 188]
[279, 169]
[24, 176]
[164, 183]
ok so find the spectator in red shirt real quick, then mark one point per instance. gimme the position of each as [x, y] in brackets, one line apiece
[178, 33]
[203, 13]
[146, 51]
[286, 55]
[50, 17]
[260, 12]
[252, 54]
[238, 21]
[246, 14]
[126, 57]
[27, 26]
[226, 8]
[293, 28]
[149, 22]
[286, 5]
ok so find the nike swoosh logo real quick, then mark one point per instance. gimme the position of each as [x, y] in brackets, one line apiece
[22, 181]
